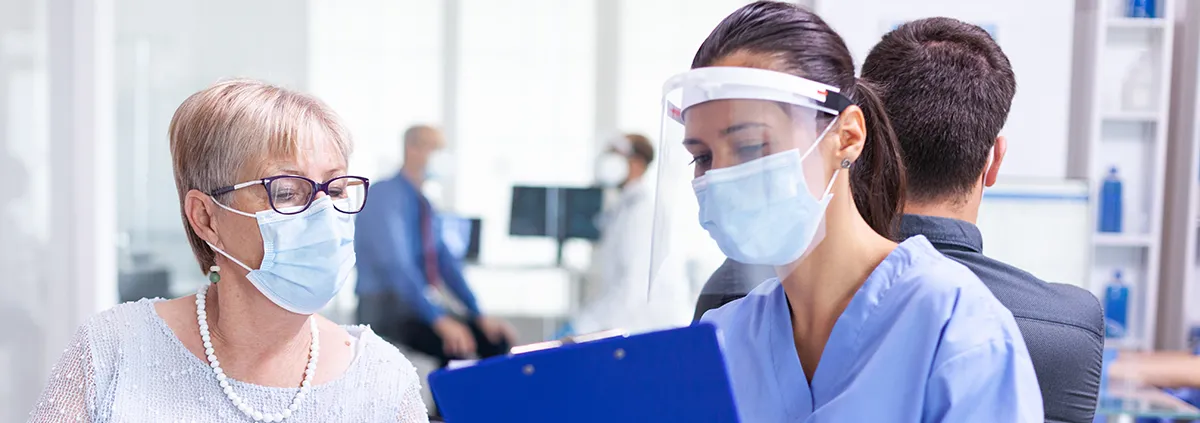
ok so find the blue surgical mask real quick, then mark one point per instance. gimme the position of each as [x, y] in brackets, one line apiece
[307, 257]
[761, 211]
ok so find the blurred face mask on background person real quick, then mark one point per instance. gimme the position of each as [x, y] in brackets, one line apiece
[440, 166]
[307, 257]
[612, 169]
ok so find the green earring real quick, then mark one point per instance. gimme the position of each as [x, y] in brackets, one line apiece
[213, 275]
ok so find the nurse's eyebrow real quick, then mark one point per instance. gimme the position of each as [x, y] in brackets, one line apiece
[729, 130]
[743, 126]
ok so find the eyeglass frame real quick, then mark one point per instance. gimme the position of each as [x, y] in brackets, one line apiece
[316, 188]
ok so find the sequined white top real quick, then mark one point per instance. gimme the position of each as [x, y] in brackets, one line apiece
[126, 365]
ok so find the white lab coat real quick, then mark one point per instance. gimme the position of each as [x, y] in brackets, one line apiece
[621, 296]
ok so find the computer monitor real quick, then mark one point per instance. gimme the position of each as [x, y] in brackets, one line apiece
[556, 212]
[461, 236]
[529, 212]
[580, 208]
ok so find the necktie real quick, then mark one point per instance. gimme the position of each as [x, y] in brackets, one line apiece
[429, 244]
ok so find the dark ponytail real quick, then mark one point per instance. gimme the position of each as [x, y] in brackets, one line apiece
[789, 38]
[877, 177]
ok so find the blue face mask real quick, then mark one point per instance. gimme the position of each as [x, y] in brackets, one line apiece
[307, 257]
[761, 211]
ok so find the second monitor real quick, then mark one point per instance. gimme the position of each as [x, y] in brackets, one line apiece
[556, 212]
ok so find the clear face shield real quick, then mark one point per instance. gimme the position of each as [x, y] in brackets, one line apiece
[741, 176]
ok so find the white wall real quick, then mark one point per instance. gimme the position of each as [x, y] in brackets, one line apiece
[657, 39]
[1035, 34]
[525, 110]
[378, 63]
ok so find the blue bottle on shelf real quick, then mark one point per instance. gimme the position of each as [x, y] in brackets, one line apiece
[1116, 307]
[1142, 9]
[1110, 203]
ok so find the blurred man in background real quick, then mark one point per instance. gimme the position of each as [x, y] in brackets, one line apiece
[948, 87]
[410, 287]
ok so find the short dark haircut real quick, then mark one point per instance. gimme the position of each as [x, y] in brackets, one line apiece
[948, 88]
[797, 41]
[641, 147]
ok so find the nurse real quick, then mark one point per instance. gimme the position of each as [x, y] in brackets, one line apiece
[794, 165]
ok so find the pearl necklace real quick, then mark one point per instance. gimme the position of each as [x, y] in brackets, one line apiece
[314, 352]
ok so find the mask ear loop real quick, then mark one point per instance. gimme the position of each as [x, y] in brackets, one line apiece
[214, 248]
[235, 261]
[829, 188]
[845, 162]
[231, 209]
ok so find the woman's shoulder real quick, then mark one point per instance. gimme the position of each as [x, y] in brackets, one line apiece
[949, 291]
[380, 359]
[123, 331]
[122, 319]
[385, 369]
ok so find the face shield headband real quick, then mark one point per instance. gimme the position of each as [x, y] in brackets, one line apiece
[737, 83]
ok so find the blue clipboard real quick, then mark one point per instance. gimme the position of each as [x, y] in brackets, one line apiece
[675, 375]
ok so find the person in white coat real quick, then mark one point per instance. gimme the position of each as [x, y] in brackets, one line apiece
[619, 297]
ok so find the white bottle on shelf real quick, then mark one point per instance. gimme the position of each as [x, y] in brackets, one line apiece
[1138, 87]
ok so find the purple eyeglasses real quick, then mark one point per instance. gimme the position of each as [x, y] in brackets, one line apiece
[290, 194]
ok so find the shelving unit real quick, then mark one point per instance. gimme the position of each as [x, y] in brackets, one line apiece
[1122, 240]
[1155, 23]
[1121, 79]
[1131, 117]
[1181, 278]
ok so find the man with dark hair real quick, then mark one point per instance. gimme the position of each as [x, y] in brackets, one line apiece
[947, 88]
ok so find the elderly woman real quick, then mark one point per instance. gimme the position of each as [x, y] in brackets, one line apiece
[268, 209]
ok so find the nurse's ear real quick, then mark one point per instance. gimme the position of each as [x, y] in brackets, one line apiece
[850, 130]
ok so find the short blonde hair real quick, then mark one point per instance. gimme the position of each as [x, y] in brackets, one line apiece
[227, 133]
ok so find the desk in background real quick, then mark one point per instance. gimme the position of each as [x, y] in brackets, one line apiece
[1128, 402]
[1123, 401]
[543, 294]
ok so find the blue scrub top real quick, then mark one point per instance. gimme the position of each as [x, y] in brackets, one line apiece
[923, 340]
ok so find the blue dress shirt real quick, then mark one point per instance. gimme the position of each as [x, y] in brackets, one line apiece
[391, 258]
